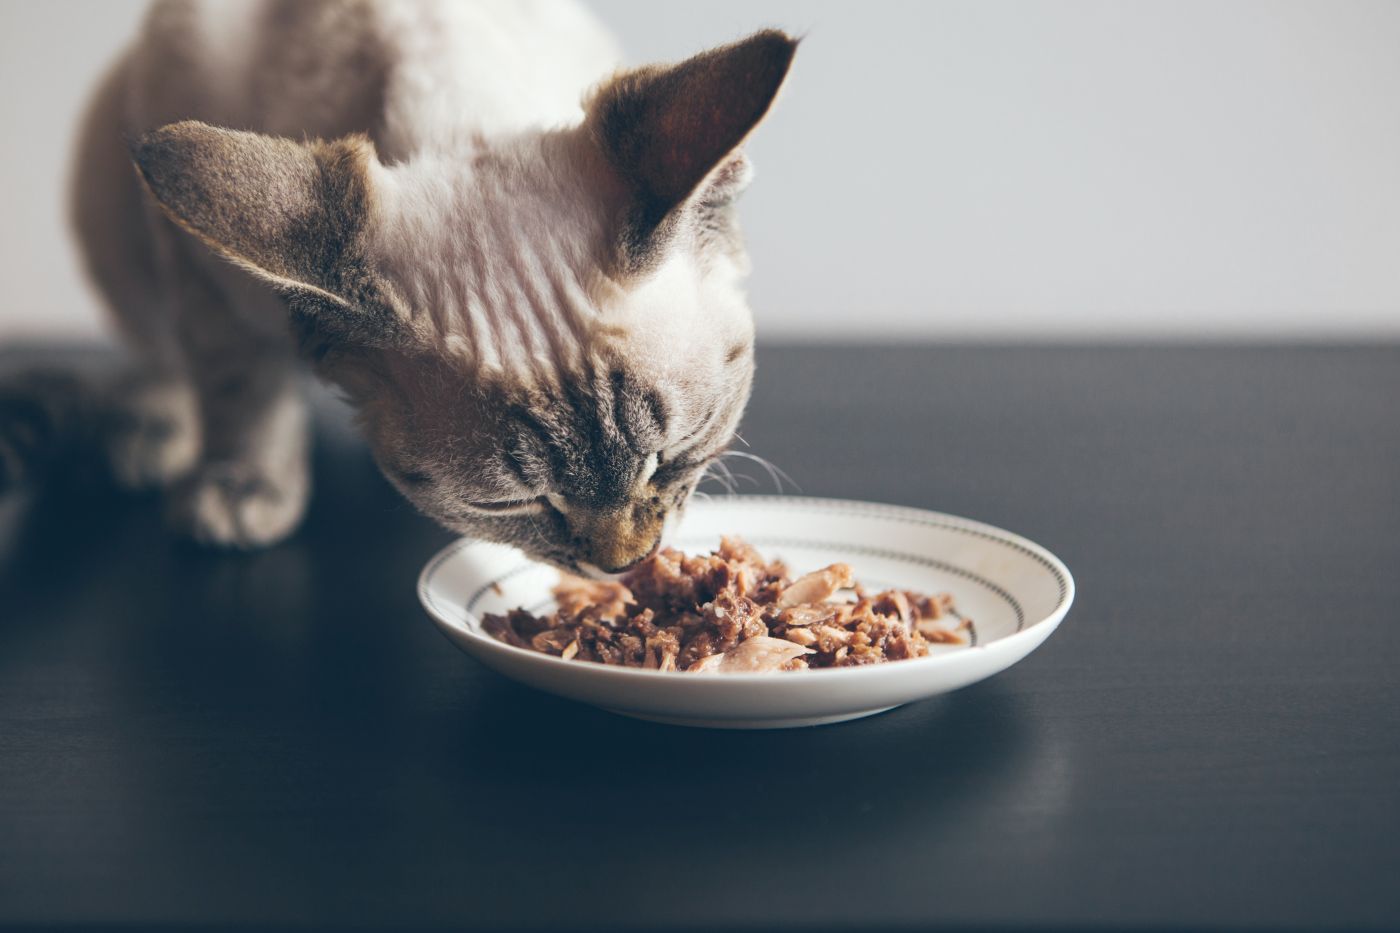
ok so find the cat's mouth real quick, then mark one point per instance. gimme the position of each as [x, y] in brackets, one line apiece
[594, 572]
[580, 558]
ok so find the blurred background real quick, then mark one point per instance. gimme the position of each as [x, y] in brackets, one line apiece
[948, 170]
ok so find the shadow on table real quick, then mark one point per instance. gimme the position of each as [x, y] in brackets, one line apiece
[923, 768]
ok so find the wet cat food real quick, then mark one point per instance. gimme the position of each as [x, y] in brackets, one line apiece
[731, 611]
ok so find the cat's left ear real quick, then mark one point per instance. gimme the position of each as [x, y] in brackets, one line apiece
[291, 213]
[672, 133]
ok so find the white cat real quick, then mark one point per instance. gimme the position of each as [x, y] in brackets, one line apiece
[520, 267]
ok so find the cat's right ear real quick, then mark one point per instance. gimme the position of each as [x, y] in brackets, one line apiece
[672, 133]
[293, 214]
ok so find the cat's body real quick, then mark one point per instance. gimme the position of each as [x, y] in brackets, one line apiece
[531, 295]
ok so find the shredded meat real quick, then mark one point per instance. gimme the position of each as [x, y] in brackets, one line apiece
[731, 611]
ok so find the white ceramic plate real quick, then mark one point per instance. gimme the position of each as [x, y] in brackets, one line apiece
[1014, 591]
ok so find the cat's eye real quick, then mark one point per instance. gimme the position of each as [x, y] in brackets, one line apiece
[509, 506]
[412, 478]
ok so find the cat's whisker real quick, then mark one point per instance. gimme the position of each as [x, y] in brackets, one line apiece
[540, 536]
[702, 479]
[776, 473]
[729, 479]
[739, 478]
[725, 481]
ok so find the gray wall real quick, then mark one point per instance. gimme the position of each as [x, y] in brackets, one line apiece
[953, 169]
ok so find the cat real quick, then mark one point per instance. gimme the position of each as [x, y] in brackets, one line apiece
[520, 266]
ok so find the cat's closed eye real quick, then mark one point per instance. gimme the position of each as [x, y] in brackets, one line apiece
[510, 506]
[412, 478]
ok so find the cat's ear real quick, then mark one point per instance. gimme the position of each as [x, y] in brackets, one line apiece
[293, 214]
[672, 133]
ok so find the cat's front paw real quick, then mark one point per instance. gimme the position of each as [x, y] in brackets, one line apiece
[237, 505]
[151, 449]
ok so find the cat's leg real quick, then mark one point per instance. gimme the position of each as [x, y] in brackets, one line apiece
[145, 420]
[151, 431]
[250, 490]
[251, 484]
[252, 481]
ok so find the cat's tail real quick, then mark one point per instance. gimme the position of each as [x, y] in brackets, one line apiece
[46, 416]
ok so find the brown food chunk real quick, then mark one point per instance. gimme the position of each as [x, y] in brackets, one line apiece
[604, 599]
[817, 586]
[759, 653]
[729, 611]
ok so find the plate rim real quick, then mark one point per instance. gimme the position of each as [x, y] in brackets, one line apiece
[1034, 631]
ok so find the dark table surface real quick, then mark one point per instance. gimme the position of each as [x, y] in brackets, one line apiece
[1211, 739]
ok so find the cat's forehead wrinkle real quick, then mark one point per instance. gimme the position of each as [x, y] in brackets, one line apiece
[493, 248]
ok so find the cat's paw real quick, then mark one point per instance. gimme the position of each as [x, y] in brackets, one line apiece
[152, 439]
[237, 505]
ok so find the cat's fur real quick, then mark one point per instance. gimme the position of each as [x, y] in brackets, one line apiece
[521, 268]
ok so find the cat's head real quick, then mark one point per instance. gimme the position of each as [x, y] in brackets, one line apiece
[544, 335]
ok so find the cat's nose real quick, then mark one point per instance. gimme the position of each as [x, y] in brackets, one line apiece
[614, 540]
[620, 554]
[634, 561]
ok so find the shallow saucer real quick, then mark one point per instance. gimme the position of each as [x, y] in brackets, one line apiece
[1012, 591]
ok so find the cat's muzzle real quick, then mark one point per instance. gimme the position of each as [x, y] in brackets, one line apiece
[615, 539]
